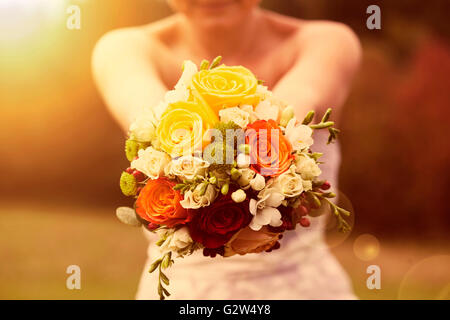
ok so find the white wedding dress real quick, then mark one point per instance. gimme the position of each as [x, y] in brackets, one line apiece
[303, 268]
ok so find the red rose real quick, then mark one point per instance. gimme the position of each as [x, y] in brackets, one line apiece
[213, 226]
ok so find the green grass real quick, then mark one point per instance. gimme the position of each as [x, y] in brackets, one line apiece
[37, 244]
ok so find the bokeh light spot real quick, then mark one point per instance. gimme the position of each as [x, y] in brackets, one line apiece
[431, 275]
[366, 247]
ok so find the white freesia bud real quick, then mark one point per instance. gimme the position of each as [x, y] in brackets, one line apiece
[151, 162]
[258, 182]
[306, 167]
[235, 114]
[286, 115]
[243, 160]
[238, 196]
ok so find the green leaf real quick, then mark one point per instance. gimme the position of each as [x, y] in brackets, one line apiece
[127, 216]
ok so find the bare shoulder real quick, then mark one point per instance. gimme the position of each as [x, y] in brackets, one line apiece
[126, 44]
[313, 36]
[334, 38]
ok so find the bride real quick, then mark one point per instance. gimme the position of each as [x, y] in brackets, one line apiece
[310, 64]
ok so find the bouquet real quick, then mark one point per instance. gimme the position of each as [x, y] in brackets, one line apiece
[223, 166]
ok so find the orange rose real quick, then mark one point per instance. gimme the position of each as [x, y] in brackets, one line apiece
[249, 241]
[270, 151]
[159, 203]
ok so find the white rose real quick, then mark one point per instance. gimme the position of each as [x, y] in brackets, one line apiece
[143, 128]
[246, 176]
[175, 241]
[195, 199]
[151, 162]
[307, 167]
[187, 167]
[265, 110]
[235, 114]
[300, 136]
[289, 183]
[258, 182]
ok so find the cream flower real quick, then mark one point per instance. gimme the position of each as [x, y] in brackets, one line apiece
[263, 92]
[265, 110]
[180, 92]
[243, 160]
[249, 109]
[151, 162]
[189, 70]
[235, 114]
[239, 196]
[289, 183]
[264, 210]
[306, 167]
[187, 167]
[143, 128]
[270, 196]
[247, 175]
[300, 136]
[265, 216]
[307, 185]
[175, 240]
[258, 182]
[195, 199]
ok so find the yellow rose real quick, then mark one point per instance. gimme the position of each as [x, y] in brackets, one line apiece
[182, 128]
[225, 86]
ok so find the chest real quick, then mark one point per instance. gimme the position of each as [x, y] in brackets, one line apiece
[269, 65]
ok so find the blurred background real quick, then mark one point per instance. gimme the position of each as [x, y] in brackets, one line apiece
[61, 152]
